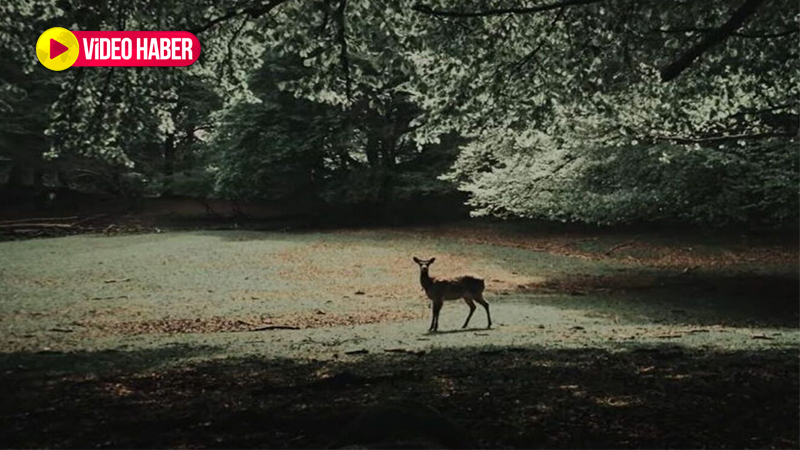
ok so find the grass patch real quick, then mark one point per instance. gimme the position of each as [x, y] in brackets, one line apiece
[250, 339]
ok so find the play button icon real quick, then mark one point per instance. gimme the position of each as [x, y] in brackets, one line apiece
[57, 48]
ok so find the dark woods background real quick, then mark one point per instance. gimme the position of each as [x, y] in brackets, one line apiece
[356, 111]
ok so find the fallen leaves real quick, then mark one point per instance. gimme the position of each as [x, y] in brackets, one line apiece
[291, 321]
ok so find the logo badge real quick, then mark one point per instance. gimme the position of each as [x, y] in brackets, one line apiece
[57, 49]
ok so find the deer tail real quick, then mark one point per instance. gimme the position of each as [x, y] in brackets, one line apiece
[475, 284]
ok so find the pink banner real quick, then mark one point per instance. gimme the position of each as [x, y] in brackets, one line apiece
[137, 48]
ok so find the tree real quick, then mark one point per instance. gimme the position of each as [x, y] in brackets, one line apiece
[544, 98]
[107, 113]
[360, 59]
[285, 148]
[639, 88]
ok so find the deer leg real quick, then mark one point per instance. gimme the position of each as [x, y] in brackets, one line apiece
[471, 305]
[479, 298]
[433, 315]
[437, 306]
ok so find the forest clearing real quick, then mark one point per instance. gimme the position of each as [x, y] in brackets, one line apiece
[400, 224]
[267, 339]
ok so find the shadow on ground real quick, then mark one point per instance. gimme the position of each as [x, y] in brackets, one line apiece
[636, 397]
[703, 298]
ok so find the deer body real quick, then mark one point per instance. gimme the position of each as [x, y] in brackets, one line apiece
[438, 290]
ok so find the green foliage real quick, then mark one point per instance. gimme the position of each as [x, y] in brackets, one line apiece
[122, 116]
[289, 148]
[756, 185]
[560, 113]
[266, 154]
[570, 101]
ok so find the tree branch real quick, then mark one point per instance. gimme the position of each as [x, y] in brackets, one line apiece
[229, 55]
[770, 109]
[532, 54]
[736, 21]
[326, 16]
[751, 35]
[425, 9]
[568, 159]
[713, 139]
[254, 12]
[101, 108]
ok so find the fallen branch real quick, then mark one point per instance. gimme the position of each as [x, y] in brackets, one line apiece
[403, 350]
[33, 232]
[669, 336]
[120, 280]
[31, 219]
[89, 219]
[761, 336]
[275, 327]
[357, 352]
[619, 246]
[36, 225]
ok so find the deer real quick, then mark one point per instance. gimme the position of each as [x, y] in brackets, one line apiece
[438, 290]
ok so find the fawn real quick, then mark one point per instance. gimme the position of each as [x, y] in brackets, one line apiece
[466, 287]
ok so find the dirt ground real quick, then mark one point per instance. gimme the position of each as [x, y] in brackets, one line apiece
[233, 339]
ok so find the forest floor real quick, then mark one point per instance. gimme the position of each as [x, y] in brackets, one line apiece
[233, 339]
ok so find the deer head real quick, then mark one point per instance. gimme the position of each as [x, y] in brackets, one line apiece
[423, 265]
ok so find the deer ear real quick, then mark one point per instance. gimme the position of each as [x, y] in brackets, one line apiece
[416, 260]
[432, 260]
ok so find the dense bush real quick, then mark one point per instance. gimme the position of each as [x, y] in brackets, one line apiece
[754, 184]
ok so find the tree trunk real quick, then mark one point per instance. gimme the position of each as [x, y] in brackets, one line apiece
[169, 164]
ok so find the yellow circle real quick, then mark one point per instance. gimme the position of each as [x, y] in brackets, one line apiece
[62, 37]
